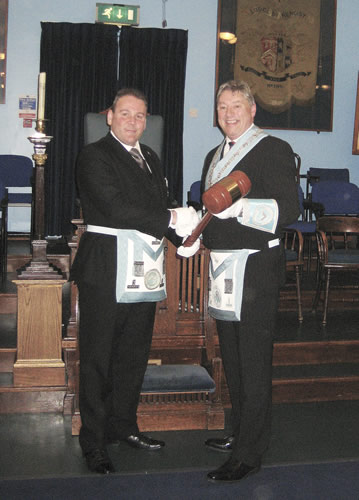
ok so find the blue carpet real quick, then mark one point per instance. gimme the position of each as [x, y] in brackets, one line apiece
[326, 481]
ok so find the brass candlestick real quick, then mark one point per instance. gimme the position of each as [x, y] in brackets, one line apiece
[39, 267]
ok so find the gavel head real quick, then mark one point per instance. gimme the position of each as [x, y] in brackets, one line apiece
[226, 191]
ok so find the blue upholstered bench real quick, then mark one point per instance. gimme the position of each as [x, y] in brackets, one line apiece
[181, 396]
[177, 378]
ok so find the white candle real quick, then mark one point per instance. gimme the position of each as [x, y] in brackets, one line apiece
[41, 96]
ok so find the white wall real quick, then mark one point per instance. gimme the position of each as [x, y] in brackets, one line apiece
[199, 17]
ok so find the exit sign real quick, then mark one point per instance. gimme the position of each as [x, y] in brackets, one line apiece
[112, 13]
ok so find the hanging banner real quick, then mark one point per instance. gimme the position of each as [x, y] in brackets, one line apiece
[277, 51]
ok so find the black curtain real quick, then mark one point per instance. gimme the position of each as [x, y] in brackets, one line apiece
[80, 61]
[154, 61]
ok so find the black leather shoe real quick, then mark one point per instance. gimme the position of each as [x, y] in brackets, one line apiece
[145, 443]
[220, 444]
[232, 470]
[98, 461]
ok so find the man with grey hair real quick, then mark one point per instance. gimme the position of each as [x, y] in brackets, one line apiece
[246, 271]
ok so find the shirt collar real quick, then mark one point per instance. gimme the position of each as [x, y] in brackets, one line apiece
[127, 146]
[228, 140]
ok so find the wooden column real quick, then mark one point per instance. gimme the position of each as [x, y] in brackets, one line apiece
[39, 333]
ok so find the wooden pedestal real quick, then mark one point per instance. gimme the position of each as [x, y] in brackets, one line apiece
[39, 333]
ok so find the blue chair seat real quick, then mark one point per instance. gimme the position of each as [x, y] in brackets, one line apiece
[20, 198]
[290, 255]
[341, 256]
[177, 378]
[305, 227]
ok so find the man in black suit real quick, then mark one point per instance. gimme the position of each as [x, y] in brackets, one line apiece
[124, 200]
[245, 304]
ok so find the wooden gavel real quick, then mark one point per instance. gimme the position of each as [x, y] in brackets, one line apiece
[219, 197]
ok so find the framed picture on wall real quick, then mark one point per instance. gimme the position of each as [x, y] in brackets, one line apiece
[356, 124]
[285, 50]
[3, 38]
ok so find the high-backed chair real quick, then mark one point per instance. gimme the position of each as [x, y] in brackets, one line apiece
[315, 175]
[337, 239]
[16, 172]
[335, 198]
[194, 196]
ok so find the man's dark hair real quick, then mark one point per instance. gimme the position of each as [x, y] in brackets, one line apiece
[129, 91]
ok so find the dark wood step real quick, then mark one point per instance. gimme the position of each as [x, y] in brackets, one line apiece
[32, 399]
[307, 390]
[7, 360]
[330, 370]
[315, 352]
[8, 303]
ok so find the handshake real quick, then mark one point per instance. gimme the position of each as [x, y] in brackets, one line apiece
[183, 220]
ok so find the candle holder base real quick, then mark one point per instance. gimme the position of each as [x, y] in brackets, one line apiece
[39, 267]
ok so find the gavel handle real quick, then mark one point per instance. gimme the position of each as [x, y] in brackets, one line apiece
[198, 230]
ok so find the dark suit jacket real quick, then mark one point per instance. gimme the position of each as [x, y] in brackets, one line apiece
[270, 167]
[115, 192]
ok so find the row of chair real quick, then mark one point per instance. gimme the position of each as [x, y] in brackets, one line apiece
[337, 239]
[329, 216]
[16, 182]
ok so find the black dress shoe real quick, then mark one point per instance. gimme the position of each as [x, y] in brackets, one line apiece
[220, 444]
[98, 461]
[232, 470]
[145, 443]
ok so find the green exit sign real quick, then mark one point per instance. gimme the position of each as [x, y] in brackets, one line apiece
[113, 13]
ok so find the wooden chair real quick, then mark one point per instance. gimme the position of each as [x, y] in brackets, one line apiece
[304, 226]
[337, 240]
[293, 248]
[186, 394]
[182, 386]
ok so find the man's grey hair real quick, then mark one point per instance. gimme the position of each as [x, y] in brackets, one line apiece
[236, 86]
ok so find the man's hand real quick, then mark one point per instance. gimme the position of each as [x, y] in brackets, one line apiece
[189, 251]
[184, 220]
[235, 210]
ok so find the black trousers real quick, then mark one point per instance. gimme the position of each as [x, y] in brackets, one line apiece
[246, 349]
[115, 341]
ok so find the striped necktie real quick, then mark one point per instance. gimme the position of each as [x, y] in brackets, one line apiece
[140, 161]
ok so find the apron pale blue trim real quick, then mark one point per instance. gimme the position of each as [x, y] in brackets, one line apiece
[261, 214]
[233, 268]
[142, 284]
[137, 291]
